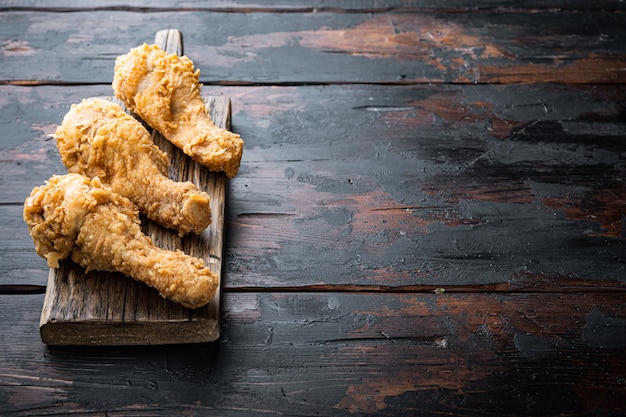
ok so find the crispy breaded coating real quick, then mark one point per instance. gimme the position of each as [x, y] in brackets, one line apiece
[72, 215]
[163, 89]
[97, 138]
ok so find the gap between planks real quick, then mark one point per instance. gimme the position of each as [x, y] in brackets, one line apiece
[18, 289]
[428, 289]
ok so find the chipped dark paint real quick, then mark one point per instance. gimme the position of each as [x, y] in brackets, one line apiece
[603, 331]
[455, 207]
[380, 202]
[428, 219]
[387, 47]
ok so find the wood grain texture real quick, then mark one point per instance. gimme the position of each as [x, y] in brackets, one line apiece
[342, 354]
[405, 188]
[101, 308]
[325, 47]
[303, 6]
[428, 185]
[428, 220]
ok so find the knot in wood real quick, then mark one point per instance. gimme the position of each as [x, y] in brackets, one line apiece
[494, 323]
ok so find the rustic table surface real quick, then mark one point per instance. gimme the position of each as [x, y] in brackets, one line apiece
[429, 218]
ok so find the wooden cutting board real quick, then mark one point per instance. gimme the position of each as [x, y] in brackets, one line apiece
[103, 308]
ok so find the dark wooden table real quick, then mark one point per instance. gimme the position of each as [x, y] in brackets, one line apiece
[429, 217]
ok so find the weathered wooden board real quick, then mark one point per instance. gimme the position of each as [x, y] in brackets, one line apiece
[515, 187]
[525, 46]
[395, 247]
[340, 354]
[101, 308]
[307, 6]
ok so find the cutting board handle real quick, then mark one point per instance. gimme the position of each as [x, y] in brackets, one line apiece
[170, 40]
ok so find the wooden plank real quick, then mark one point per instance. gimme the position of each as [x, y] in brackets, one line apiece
[407, 187]
[441, 185]
[339, 354]
[101, 308]
[28, 154]
[19, 263]
[390, 47]
[244, 6]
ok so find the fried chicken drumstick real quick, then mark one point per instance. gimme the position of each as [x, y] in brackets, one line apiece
[163, 89]
[97, 138]
[72, 215]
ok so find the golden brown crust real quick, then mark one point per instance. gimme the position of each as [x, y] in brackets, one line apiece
[164, 90]
[98, 139]
[74, 216]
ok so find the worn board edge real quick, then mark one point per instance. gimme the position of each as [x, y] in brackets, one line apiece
[102, 308]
